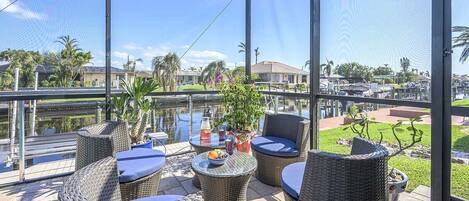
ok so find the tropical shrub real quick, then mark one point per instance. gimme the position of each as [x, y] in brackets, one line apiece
[133, 106]
[243, 106]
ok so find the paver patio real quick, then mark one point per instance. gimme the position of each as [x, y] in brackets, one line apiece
[177, 174]
[176, 179]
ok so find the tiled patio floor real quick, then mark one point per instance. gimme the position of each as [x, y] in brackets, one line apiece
[176, 179]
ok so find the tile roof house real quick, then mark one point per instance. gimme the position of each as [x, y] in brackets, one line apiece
[276, 72]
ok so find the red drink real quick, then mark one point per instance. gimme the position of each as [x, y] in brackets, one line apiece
[205, 134]
[205, 130]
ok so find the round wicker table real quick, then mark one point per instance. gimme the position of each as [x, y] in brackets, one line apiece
[201, 146]
[228, 182]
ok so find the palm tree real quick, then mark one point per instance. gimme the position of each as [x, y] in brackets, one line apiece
[213, 72]
[131, 64]
[462, 41]
[326, 68]
[257, 53]
[242, 47]
[405, 63]
[70, 45]
[71, 62]
[306, 66]
[165, 70]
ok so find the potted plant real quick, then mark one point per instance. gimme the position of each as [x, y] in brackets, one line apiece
[243, 108]
[133, 106]
[397, 180]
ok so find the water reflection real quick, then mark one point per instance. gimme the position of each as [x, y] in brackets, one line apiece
[180, 120]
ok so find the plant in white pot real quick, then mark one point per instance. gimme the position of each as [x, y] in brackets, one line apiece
[133, 107]
[243, 108]
[396, 180]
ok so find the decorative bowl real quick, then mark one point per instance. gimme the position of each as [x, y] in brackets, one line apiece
[218, 161]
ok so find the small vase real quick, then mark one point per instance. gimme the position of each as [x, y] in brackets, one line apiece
[244, 145]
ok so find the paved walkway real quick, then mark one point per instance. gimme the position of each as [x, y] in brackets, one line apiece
[383, 116]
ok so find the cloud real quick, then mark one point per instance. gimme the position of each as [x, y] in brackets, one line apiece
[121, 55]
[206, 55]
[192, 58]
[18, 10]
[150, 52]
[201, 58]
[133, 46]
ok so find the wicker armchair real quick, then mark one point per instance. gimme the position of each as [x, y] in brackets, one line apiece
[99, 182]
[284, 140]
[328, 176]
[99, 141]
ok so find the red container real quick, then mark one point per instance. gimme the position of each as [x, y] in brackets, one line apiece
[205, 134]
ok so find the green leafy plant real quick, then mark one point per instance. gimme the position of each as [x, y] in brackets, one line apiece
[133, 105]
[243, 107]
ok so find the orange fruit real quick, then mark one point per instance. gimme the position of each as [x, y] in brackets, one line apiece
[212, 155]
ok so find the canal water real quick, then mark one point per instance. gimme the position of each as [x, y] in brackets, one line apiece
[173, 120]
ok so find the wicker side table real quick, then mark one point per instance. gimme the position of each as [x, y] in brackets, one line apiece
[228, 182]
[201, 146]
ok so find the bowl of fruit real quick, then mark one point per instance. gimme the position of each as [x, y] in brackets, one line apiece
[217, 157]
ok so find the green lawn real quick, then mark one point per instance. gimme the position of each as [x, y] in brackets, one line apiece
[418, 170]
[191, 87]
[458, 103]
[461, 103]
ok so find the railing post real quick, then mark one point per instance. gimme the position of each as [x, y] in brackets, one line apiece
[14, 116]
[276, 105]
[190, 114]
[33, 118]
[98, 115]
[21, 140]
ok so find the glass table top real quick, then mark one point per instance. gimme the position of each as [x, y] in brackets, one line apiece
[213, 142]
[238, 164]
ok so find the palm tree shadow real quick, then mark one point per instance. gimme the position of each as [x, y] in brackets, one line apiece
[45, 189]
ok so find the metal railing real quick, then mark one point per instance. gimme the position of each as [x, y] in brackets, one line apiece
[22, 96]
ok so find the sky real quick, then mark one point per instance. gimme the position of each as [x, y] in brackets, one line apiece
[371, 32]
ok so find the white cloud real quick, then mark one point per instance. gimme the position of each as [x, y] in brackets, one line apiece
[121, 55]
[206, 55]
[18, 10]
[151, 52]
[202, 58]
[133, 46]
[191, 59]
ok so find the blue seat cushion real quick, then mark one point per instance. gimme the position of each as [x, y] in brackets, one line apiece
[137, 163]
[292, 178]
[275, 146]
[162, 198]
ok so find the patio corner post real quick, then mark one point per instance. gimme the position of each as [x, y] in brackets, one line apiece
[108, 61]
[248, 41]
[314, 72]
[441, 101]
